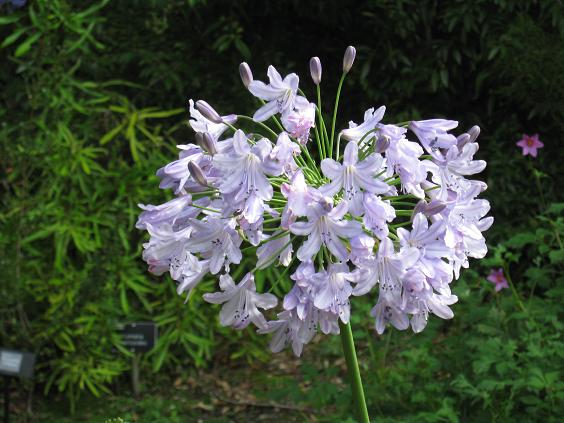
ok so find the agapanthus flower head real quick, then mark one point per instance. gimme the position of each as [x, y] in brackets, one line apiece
[382, 210]
[530, 144]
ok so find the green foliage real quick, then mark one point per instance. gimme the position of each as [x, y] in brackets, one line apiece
[94, 99]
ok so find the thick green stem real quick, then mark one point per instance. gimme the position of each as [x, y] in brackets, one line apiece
[354, 373]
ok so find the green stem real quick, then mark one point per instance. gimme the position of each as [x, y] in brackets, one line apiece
[319, 134]
[262, 125]
[335, 115]
[354, 373]
[512, 287]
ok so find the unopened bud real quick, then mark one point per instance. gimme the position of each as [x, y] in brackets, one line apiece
[434, 207]
[315, 70]
[209, 144]
[200, 140]
[382, 144]
[474, 132]
[462, 140]
[348, 59]
[420, 207]
[246, 74]
[197, 174]
[208, 111]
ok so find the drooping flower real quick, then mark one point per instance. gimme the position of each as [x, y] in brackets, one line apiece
[377, 214]
[353, 176]
[280, 94]
[334, 289]
[299, 122]
[241, 302]
[387, 269]
[498, 278]
[283, 155]
[163, 213]
[199, 123]
[299, 196]
[275, 247]
[530, 144]
[216, 239]
[433, 134]
[356, 132]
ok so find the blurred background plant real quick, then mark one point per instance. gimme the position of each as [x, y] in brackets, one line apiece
[94, 99]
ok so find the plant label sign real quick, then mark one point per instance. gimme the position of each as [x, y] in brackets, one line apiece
[139, 336]
[16, 363]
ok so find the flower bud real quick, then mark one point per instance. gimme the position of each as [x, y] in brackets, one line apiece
[200, 140]
[348, 59]
[462, 140]
[197, 174]
[208, 111]
[315, 70]
[434, 207]
[382, 144]
[246, 74]
[474, 132]
[209, 144]
[420, 207]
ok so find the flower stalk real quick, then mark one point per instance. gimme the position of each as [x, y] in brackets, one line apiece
[359, 401]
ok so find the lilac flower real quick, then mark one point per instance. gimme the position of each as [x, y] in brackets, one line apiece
[274, 247]
[164, 213]
[449, 172]
[385, 311]
[193, 271]
[299, 196]
[420, 300]
[362, 247]
[428, 240]
[241, 302]
[280, 94]
[433, 134]
[352, 176]
[387, 269]
[334, 290]
[498, 278]
[402, 158]
[289, 329]
[371, 118]
[301, 296]
[216, 239]
[283, 155]
[244, 175]
[530, 144]
[166, 249]
[325, 226]
[377, 213]
[199, 123]
[299, 122]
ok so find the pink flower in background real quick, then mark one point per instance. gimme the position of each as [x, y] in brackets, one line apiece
[530, 144]
[497, 277]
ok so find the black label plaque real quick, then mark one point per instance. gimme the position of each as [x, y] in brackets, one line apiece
[16, 363]
[139, 336]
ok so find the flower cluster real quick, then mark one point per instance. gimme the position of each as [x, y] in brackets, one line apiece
[374, 207]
